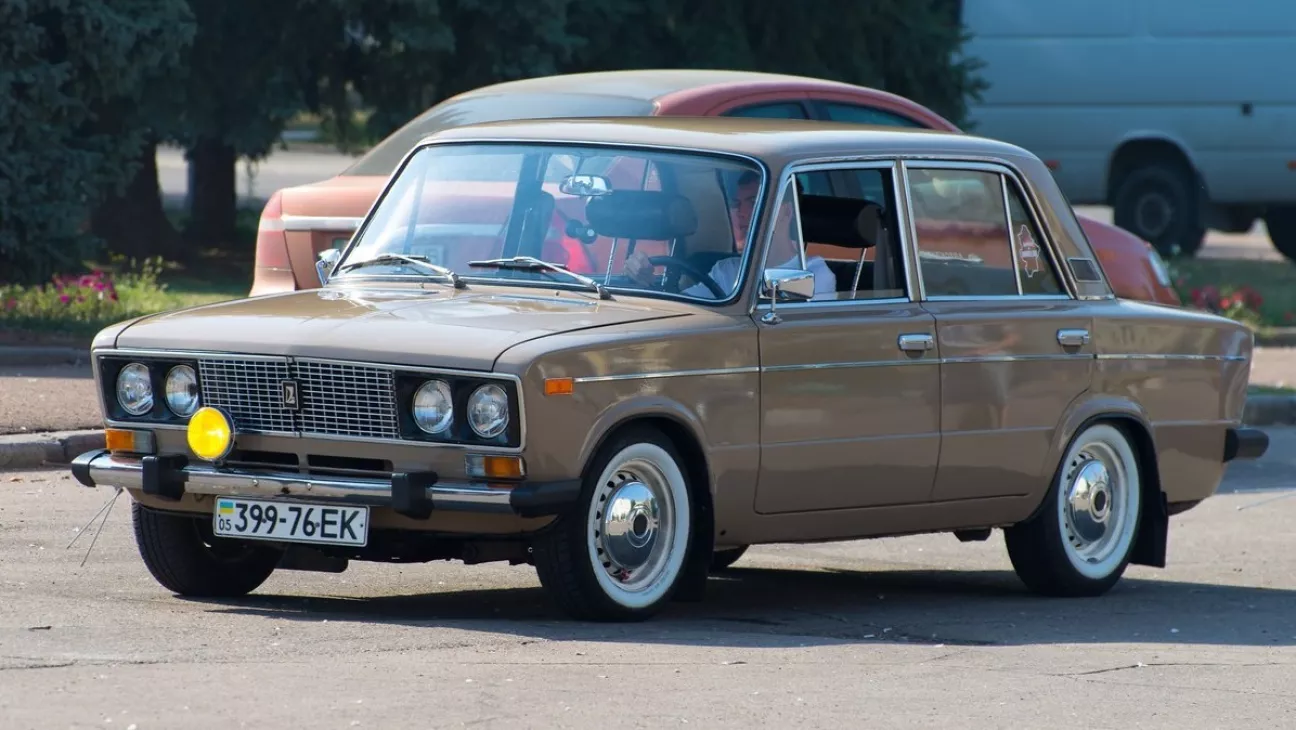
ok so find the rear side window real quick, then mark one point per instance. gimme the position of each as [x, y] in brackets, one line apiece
[853, 114]
[779, 110]
[386, 155]
[970, 244]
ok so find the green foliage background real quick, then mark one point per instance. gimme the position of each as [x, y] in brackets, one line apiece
[87, 87]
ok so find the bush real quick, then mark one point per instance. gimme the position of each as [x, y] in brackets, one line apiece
[85, 304]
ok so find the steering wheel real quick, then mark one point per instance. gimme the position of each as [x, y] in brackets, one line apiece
[697, 274]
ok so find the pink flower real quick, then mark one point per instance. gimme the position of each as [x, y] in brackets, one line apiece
[13, 304]
[113, 296]
[100, 286]
[65, 299]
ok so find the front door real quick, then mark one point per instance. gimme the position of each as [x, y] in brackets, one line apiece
[1014, 344]
[850, 380]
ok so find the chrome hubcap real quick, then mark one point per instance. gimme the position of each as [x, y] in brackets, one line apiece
[632, 525]
[1094, 503]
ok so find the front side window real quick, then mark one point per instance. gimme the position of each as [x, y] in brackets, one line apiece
[634, 221]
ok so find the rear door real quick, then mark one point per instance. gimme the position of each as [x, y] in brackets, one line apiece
[1014, 343]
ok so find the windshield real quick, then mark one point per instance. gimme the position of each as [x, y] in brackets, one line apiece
[471, 207]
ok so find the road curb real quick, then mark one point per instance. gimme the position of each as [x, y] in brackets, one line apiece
[29, 356]
[1270, 410]
[32, 451]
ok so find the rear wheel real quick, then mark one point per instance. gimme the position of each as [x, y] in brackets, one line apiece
[1158, 202]
[619, 555]
[1281, 222]
[186, 558]
[1080, 542]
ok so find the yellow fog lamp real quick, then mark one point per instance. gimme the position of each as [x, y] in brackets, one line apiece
[211, 434]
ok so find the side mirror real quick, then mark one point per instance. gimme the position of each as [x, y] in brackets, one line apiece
[788, 285]
[328, 258]
[585, 186]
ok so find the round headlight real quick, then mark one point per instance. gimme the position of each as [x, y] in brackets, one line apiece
[488, 412]
[182, 390]
[433, 406]
[135, 389]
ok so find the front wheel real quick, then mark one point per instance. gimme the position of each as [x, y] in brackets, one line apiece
[1080, 542]
[619, 555]
[186, 558]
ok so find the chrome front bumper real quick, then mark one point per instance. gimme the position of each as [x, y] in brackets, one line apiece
[413, 494]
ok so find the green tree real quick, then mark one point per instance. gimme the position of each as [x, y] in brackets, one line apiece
[74, 79]
[906, 47]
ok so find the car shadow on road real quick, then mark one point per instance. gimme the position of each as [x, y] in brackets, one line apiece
[762, 607]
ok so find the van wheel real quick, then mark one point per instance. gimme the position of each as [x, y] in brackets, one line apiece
[1158, 202]
[186, 558]
[619, 555]
[1281, 222]
[724, 558]
[1080, 542]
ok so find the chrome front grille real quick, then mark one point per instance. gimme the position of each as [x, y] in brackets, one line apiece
[333, 399]
[250, 391]
[347, 400]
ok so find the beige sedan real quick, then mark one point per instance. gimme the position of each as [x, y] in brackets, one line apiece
[803, 332]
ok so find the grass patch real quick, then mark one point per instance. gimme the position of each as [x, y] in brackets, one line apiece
[1269, 390]
[1261, 293]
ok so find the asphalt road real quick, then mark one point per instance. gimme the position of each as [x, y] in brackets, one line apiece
[911, 632]
[63, 398]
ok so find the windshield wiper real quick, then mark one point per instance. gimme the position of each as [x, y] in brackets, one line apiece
[530, 263]
[388, 258]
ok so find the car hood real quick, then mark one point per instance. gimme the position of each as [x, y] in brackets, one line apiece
[434, 327]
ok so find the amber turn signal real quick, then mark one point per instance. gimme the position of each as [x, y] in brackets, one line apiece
[132, 442]
[559, 386]
[479, 466]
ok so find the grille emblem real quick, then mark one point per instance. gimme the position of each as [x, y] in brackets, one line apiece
[290, 394]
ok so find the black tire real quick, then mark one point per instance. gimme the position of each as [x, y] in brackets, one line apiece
[1160, 203]
[564, 554]
[724, 558]
[1281, 222]
[183, 555]
[1043, 549]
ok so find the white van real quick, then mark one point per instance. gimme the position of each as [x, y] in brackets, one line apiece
[1180, 114]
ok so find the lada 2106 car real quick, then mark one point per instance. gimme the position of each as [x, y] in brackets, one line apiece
[930, 349]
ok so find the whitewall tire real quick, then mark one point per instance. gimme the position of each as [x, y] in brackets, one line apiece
[1081, 540]
[620, 553]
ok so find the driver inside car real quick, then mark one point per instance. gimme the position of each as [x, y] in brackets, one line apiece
[726, 271]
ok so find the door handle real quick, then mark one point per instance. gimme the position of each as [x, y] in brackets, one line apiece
[1073, 338]
[916, 343]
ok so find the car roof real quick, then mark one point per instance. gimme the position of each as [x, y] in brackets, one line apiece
[776, 142]
[644, 84]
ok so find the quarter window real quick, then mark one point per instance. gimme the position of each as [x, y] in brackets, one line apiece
[1037, 274]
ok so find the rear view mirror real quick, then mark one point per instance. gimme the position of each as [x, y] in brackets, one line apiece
[585, 186]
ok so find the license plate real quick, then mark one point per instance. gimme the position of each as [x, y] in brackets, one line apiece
[326, 524]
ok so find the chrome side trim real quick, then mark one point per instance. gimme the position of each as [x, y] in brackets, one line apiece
[1225, 358]
[115, 471]
[845, 365]
[667, 374]
[1013, 358]
[320, 223]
